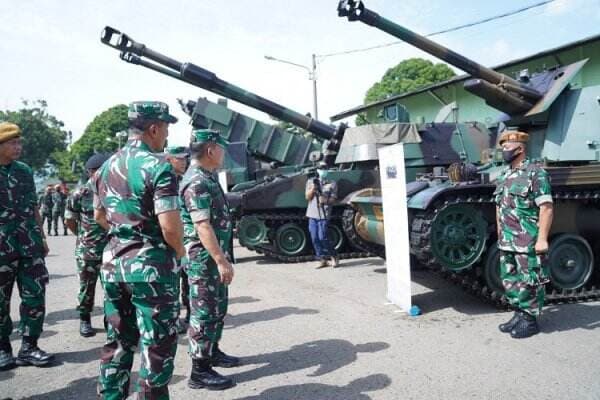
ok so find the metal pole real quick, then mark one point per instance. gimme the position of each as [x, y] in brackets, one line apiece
[314, 79]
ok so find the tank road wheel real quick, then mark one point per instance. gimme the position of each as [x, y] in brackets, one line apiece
[570, 261]
[336, 237]
[291, 239]
[458, 236]
[491, 270]
[252, 231]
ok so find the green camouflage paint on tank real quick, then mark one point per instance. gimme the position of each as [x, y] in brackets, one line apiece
[433, 144]
[560, 118]
[252, 143]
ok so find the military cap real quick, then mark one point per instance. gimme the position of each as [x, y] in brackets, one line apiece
[150, 111]
[208, 135]
[513, 136]
[96, 161]
[9, 131]
[177, 151]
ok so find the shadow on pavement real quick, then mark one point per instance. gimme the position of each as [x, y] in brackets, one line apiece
[243, 300]
[444, 294]
[355, 390]
[363, 262]
[54, 317]
[566, 317]
[5, 375]
[59, 276]
[77, 357]
[257, 257]
[79, 389]
[234, 321]
[324, 355]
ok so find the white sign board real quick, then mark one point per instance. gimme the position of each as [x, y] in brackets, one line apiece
[397, 245]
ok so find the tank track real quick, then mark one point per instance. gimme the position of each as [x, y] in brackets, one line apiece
[281, 218]
[471, 280]
[355, 239]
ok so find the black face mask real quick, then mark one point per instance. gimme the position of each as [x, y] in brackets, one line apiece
[510, 155]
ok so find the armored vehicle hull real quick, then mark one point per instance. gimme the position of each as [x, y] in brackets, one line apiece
[452, 217]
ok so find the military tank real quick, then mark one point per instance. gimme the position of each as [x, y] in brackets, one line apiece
[452, 215]
[270, 214]
[256, 149]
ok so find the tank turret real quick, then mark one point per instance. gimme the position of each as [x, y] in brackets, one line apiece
[523, 97]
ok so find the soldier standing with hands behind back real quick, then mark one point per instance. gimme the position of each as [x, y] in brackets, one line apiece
[91, 240]
[136, 199]
[208, 232]
[524, 216]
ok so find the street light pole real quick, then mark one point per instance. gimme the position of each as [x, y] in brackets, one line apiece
[314, 79]
[312, 75]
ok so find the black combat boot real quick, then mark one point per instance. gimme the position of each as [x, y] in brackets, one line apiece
[526, 326]
[85, 326]
[203, 376]
[508, 326]
[220, 359]
[66, 233]
[7, 360]
[31, 354]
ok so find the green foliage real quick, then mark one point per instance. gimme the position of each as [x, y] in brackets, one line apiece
[43, 134]
[407, 76]
[98, 137]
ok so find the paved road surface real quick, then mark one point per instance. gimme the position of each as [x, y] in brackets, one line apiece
[327, 334]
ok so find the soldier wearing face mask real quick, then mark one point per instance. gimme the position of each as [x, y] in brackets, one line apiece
[524, 217]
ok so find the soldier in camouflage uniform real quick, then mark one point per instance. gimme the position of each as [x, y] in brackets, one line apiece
[46, 204]
[179, 157]
[59, 200]
[22, 251]
[136, 199]
[91, 240]
[524, 216]
[208, 232]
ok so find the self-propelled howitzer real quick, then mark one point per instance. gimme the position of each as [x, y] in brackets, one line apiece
[270, 214]
[452, 222]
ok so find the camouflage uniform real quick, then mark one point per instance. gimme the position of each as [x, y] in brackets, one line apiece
[46, 204]
[518, 195]
[21, 251]
[203, 199]
[91, 240]
[59, 200]
[139, 271]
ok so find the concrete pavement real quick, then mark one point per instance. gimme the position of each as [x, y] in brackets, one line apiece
[327, 334]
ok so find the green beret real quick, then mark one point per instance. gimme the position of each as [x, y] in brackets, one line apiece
[208, 135]
[177, 151]
[9, 131]
[150, 111]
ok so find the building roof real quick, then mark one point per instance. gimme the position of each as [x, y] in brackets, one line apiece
[459, 78]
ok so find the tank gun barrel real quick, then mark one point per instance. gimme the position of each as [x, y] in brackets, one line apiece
[505, 93]
[139, 54]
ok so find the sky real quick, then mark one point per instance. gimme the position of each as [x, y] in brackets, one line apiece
[51, 49]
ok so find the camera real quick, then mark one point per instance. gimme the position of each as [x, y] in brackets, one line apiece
[317, 184]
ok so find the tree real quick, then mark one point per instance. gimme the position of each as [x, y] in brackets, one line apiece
[407, 76]
[98, 137]
[43, 135]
